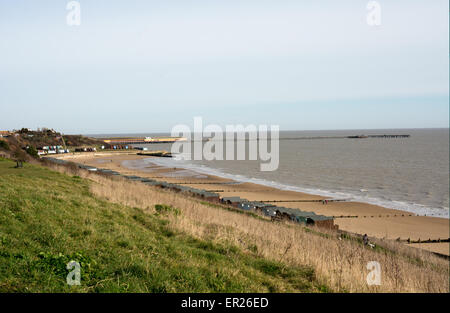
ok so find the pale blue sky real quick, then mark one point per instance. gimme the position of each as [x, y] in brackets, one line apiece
[144, 66]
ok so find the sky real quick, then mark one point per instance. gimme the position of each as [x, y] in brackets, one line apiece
[145, 66]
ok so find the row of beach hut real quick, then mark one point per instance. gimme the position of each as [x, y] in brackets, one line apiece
[281, 213]
[267, 209]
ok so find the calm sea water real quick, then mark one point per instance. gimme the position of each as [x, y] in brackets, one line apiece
[410, 174]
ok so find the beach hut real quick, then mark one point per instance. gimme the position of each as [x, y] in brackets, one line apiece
[194, 191]
[184, 189]
[166, 185]
[89, 168]
[260, 206]
[269, 211]
[177, 188]
[246, 206]
[135, 178]
[209, 196]
[150, 182]
[324, 221]
[234, 201]
[105, 171]
[285, 213]
[304, 217]
[311, 218]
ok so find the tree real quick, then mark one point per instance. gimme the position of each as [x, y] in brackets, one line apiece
[32, 151]
[4, 144]
[20, 156]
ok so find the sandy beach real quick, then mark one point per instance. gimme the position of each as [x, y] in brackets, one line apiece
[374, 220]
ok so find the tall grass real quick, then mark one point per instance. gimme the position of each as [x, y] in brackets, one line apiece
[48, 219]
[338, 263]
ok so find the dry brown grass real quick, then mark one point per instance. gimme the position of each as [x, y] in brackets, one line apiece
[339, 264]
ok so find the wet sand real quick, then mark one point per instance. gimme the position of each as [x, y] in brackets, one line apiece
[380, 225]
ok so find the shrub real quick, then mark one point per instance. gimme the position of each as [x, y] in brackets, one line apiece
[165, 209]
[20, 157]
[32, 151]
[4, 144]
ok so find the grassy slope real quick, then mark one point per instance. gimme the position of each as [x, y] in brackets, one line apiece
[48, 219]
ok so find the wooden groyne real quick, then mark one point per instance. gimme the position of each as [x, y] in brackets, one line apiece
[389, 136]
[439, 240]
[164, 154]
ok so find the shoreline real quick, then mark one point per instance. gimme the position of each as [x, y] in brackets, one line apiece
[407, 208]
[379, 222]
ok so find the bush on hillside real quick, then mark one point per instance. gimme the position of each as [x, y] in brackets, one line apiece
[32, 151]
[4, 145]
[19, 156]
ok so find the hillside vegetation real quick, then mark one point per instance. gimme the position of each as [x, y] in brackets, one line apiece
[48, 219]
[48, 137]
[130, 237]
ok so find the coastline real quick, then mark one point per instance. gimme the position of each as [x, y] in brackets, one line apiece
[329, 193]
[379, 222]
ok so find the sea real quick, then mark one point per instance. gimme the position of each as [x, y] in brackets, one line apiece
[409, 174]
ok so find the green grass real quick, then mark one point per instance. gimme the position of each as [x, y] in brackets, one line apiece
[48, 219]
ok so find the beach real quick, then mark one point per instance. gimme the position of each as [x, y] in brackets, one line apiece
[373, 220]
